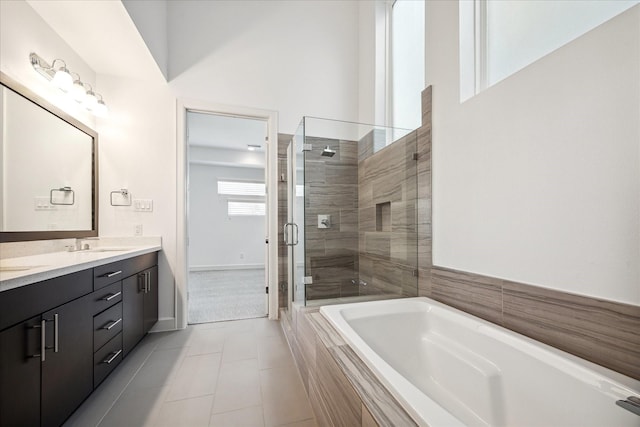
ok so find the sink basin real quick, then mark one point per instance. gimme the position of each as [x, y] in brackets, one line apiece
[9, 268]
[109, 249]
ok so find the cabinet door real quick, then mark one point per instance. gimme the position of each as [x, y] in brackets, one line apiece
[151, 299]
[67, 372]
[132, 312]
[20, 374]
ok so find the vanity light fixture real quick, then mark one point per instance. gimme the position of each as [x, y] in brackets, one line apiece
[62, 78]
[77, 91]
[253, 147]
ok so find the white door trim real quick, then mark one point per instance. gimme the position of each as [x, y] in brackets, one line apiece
[271, 117]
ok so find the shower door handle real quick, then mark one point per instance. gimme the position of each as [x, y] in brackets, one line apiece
[286, 234]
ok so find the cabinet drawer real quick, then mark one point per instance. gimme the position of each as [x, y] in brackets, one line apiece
[106, 297]
[106, 325]
[107, 358]
[110, 273]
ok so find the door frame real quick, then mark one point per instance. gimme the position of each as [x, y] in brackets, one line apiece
[182, 232]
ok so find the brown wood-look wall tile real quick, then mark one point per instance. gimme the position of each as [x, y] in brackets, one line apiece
[349, 152]
[424, 282]
[319, 406]
[348, 220]
[343, 404]
[604, 332]
[322, 291]
[340, 174]
[385, 410]
[325, 332]
[426, 98]
[367, 418]
[306, 339]
[475, 294]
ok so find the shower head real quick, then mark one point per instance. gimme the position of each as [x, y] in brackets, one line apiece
[328, 152]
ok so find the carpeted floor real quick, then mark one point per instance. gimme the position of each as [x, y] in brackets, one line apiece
[219, 295]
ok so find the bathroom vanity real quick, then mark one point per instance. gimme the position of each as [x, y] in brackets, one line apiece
[64, 329]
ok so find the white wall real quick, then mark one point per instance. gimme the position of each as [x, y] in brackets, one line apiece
[537, 179]
[137, 152]
[215, 239]
[297, 58]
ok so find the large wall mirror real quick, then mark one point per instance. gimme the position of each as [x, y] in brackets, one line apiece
[49, 169]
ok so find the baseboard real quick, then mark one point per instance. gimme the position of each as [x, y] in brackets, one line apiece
[226, 267]
[165, 324]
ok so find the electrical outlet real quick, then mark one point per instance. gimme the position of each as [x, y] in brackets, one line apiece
[137, 230]
[241, 255]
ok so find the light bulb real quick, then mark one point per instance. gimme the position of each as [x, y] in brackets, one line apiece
[100, 108]
[78, 92]
[90, 100]
[62, 79]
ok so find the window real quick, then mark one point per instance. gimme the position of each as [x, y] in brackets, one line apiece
[241, 188]
[499, 38]
[407, 63]
[245, 208]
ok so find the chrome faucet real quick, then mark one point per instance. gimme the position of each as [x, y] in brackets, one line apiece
[80, 244]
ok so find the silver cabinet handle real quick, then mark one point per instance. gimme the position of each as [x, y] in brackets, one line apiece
[111, 296]
[43, 339]
[115, 273]
[113, 323]
[112, 358]
[55, 333]
[147, 276]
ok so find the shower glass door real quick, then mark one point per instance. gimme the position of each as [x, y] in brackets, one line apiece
[294, 229]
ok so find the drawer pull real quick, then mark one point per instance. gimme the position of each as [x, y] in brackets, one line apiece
[113, 323]
[114, 273]
[112, 358]
[112, 296]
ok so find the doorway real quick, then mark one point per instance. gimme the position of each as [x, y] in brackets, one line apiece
[227, 217]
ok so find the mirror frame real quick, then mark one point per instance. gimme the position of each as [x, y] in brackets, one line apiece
[19, 236]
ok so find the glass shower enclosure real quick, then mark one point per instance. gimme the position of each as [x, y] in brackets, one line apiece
[352, 207]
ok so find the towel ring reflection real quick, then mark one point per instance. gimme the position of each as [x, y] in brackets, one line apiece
[66, 191]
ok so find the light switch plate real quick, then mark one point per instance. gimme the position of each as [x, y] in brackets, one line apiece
[143, 205]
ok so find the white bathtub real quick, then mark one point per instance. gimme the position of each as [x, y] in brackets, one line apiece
[448, 368]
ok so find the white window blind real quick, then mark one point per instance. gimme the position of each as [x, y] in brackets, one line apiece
[245, 208]
[241, 188]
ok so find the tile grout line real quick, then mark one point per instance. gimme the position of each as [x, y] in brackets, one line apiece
[127, 385]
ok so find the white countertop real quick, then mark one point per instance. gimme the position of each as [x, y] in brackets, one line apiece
[26, 270]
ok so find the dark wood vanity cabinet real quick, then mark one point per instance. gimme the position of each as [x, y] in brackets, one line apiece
[140, 309]
[79, 327]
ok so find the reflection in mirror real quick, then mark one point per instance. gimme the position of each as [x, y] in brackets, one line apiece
[48, 181]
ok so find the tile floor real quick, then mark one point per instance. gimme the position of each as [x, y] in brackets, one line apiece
[238, 373]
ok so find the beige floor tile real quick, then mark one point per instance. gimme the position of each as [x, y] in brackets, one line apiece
[205, 341]
[197, 376]
[306, 423]
[239, 346]
[273, 352]
[264, 327]
[188, 413]
[246, 417]
[174, 339]
[284, 397]
[135, 408]
[238, 386]
[159, 369]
